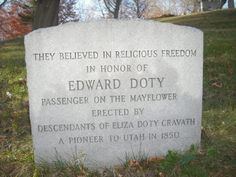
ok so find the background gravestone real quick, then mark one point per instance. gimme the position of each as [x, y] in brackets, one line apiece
[110, 89]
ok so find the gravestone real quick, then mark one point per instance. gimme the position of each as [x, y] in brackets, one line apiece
[104, 91]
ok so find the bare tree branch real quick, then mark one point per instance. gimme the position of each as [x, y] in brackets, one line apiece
[107, 6]
[3, 3]
[113, 7]
[101, 9]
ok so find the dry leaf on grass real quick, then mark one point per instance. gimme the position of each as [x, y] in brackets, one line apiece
[133, 163]
[155, 159]
[217, 84]
[230, 71]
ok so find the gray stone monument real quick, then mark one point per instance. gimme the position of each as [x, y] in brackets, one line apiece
[109, 89]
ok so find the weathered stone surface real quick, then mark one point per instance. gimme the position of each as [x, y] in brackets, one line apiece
[110, 88]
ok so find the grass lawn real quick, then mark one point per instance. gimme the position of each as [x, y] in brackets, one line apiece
[217, 155]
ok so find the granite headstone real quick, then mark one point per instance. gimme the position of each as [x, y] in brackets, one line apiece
[101, 91]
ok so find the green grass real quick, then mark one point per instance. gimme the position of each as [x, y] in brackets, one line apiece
[215, 157]
[13, 95]
[219, 29]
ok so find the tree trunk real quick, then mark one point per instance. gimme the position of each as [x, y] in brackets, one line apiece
[46, 13]
[230, 4]
[137, 4]
[113, 6]
[222, 3]
[196, 6]
[117, 9]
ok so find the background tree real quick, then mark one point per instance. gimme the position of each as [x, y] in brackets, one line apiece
[153, 9]
[11, 24]
[46, 13]
[100, 8]
[3, 3]
[17, 16]
[67, 11]
[134, 8]
[231, 4]
[51, 13]
[113, 7]
[189, 6]
[140, 7]
[222, 3]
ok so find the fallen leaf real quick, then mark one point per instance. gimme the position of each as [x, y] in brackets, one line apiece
[133, 163]
[217, 84]
[156, 159]
[161, 174]
[2, 138]
[230, 71]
